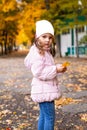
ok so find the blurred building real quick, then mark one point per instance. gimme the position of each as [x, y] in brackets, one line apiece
[68, 42]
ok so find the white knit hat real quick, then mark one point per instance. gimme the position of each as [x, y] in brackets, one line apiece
[43, 26]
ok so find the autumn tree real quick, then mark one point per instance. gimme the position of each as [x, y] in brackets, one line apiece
[31, 13]
[18, 20]
[9, 23]
[66, 14]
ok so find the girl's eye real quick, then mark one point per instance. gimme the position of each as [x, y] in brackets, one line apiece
[50, 38]
[44, 36]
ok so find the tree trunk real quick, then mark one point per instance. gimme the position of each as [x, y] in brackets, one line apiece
[1, 48]
[77, 49]
[58, 44]
[5, 43]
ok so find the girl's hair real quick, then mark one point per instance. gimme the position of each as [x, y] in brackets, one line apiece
[52, 50]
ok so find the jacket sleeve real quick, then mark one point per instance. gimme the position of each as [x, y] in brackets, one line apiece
[41, 70]
[27, 61]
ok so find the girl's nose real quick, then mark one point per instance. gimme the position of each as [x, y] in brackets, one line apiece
[47, 39]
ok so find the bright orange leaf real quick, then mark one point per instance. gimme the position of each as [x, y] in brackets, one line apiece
[8, 128]
[65, 64]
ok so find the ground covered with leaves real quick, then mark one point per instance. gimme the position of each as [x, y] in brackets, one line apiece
[18, 112]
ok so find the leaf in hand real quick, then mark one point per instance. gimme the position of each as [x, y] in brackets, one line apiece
[65, 64]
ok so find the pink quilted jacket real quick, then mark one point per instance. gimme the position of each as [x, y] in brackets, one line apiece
[44, 83]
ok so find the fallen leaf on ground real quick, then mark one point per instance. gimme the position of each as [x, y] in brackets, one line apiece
[79, 127]
[8, 128]
[4, 112]
[9, 121]
[75, 87]
[83, 117]
[83, 80]
[64, 101]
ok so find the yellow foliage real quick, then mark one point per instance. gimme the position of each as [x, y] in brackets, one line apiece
[22, 37]
[26, 18]
[10, 18]
[8, 5]
[31, 14]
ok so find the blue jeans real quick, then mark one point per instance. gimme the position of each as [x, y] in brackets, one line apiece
[47, 116]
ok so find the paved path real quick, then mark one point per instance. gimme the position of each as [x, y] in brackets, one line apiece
[18, 112]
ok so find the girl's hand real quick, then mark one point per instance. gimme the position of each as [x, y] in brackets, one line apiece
[61, 69]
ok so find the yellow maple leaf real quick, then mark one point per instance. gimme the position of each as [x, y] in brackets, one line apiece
[65, 64]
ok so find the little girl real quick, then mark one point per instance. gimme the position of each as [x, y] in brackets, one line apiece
[44, 84]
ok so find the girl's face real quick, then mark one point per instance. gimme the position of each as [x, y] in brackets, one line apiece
[45, 41]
